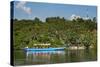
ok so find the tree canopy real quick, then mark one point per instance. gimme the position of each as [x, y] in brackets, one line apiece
[55, 30]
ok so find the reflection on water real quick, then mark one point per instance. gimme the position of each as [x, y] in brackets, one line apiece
[44, 57]
[48, 57]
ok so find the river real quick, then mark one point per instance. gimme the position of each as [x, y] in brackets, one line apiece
[50, 57]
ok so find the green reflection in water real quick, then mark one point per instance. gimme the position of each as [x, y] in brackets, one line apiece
[51, 57]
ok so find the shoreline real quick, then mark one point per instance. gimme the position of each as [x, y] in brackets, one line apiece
[69, 48]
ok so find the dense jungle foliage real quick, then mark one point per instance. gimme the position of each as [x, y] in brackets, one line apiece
[57, 31]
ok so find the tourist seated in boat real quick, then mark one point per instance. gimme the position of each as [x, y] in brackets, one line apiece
[47, 45]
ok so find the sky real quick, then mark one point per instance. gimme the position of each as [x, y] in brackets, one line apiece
[30, 10]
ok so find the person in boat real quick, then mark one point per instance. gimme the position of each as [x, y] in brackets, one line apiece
[26, 47]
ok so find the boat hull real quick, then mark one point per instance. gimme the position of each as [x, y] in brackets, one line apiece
[43, 49]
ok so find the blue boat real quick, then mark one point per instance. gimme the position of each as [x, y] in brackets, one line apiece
[44, 49]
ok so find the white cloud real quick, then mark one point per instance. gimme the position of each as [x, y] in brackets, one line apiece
[86, 18]
[73, 16]
[21, 5]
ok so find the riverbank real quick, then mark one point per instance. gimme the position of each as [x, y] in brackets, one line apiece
[79, 47]
[70, 48]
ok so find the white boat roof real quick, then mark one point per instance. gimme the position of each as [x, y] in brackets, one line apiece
[43, 44]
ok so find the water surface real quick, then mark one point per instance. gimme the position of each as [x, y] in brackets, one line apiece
[50, 57]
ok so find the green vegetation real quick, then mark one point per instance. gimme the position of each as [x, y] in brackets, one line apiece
[57, 31]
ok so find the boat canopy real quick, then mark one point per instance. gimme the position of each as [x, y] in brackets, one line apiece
[48, 44]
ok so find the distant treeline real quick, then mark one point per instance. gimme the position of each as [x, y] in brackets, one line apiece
[57, 31]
